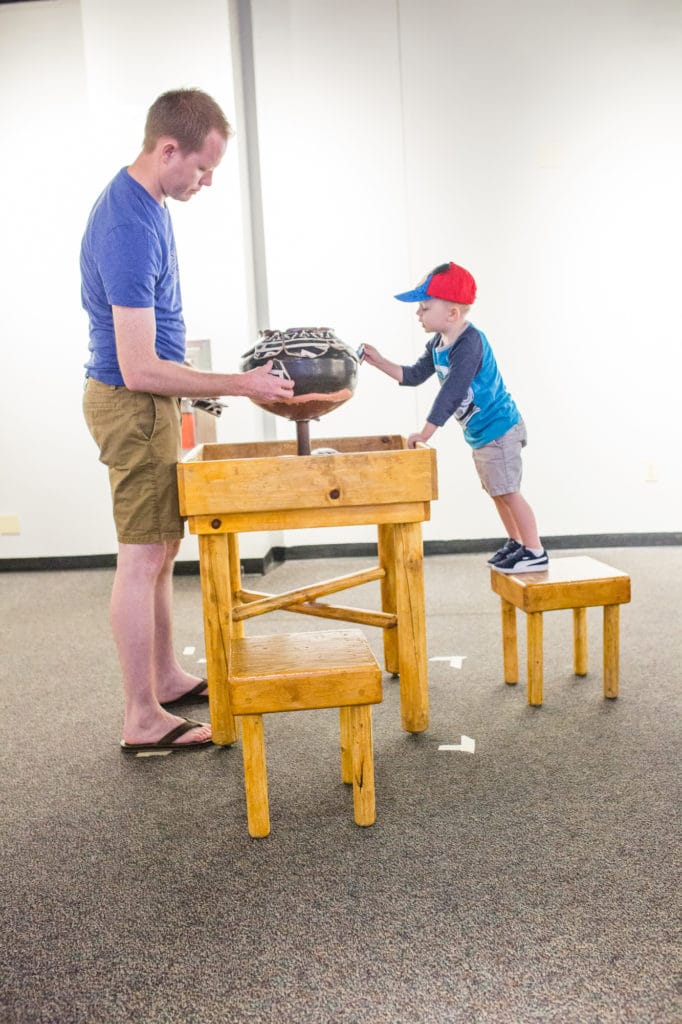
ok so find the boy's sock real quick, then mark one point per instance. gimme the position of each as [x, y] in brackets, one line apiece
[536, 551]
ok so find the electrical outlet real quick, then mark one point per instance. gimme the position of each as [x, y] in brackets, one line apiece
[651, 475]
[9, 524]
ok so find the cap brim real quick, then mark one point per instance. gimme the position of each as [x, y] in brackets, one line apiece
[416, 295]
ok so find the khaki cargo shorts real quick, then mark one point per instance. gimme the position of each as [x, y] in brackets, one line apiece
[138, 436]
[499, 464]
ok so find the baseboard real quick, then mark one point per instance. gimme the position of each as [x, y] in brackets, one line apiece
[54, 564]
[277, 555]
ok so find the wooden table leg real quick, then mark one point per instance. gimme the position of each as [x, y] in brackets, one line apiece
[611, 649]
[215, 589]
[510, 650]
[534, 653]
[386, 549]
[580, 641]
[409, 578]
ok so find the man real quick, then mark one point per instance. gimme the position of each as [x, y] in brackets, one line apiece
[135, 375]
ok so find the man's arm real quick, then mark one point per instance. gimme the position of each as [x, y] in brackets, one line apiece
[142, 370]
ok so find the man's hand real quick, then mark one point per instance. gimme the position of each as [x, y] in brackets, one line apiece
[142, 369]
[263, 385]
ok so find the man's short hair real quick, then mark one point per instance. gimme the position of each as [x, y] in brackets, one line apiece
[186, 115]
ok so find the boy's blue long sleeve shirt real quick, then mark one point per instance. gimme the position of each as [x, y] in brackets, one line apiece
[472, 389]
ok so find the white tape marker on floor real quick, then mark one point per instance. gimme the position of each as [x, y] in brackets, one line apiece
[454, 659]
[466, 745]
[189, 650]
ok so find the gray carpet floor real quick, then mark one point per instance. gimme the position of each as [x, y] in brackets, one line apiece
[533, 880]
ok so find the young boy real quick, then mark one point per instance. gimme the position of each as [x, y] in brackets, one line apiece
[472, 391]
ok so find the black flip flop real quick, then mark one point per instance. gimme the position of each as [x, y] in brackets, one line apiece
[167, 742]
[191, 697]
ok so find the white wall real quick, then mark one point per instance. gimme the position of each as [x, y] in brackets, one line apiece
[69, 129]
[538, 143]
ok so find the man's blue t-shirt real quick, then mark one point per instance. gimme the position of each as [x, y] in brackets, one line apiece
[128, 258]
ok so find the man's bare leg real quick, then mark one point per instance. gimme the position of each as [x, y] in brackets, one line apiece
[171, 679]
[133, 620]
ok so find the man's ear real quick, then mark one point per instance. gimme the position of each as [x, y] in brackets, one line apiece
[167, 149]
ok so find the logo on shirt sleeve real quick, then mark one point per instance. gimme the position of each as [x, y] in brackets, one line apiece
[467, 409]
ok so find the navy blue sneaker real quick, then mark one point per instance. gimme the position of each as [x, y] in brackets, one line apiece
[507, 549]
[524, 560]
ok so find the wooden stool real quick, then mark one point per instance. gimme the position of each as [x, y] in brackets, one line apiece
[297, 672]
[578, 583]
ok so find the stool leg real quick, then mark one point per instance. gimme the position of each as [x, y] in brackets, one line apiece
[611, 649]
[534, 642]
[255, 776]
[363, 764]
[346, 746]
[510, 651]
[580, 641]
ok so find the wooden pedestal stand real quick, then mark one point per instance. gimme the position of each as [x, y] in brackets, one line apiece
[228, 489]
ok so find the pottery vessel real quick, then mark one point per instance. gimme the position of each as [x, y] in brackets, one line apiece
[324, 369]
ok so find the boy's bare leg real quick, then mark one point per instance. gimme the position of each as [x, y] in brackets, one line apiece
[507, 518]
[171, 679]
[133, 620]
[518, 519]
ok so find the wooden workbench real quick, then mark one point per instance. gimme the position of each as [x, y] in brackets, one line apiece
[228, 489]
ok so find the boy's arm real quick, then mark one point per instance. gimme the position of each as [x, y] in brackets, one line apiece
[411, 376]
[465, 362]
[423, 369]
[372, 356]
[426, 432]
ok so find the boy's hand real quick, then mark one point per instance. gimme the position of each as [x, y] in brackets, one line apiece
[422, 437]
[371, 355]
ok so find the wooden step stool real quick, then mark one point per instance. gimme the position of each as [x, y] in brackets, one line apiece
[578, 583]
[298, 672]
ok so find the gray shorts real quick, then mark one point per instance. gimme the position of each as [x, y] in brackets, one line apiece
[138, 436]
[499, 463]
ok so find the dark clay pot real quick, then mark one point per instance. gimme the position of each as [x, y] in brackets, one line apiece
[324, 369]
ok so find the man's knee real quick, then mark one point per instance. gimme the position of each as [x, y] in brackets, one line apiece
[142, 560]
[172, 549]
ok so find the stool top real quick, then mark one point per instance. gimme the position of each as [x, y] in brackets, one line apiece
[573, 582]
[574, 567]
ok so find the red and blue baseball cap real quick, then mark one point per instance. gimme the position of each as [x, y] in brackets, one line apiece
[448, 281]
